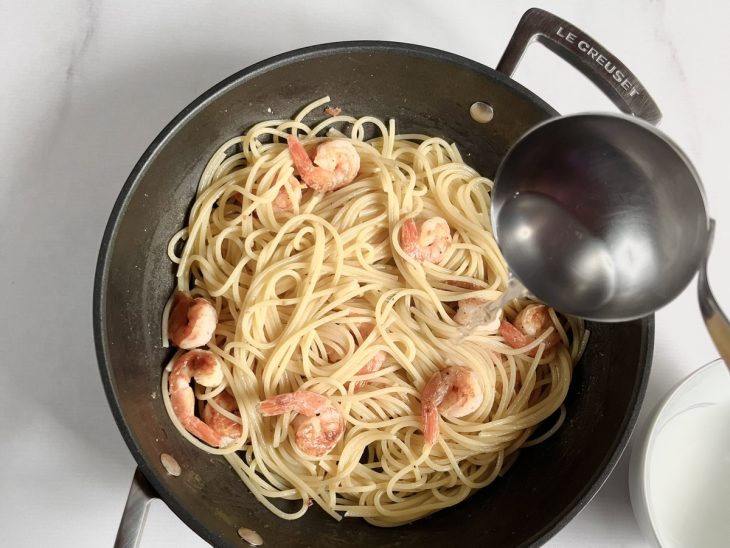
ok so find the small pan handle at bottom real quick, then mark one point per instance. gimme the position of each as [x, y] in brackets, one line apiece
[594, 61]
[140, 495]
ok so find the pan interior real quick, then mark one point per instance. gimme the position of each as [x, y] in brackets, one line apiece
[425, 91]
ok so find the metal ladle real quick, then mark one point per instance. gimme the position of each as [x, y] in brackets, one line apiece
[604, 217]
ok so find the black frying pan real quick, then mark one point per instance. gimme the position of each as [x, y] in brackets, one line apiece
[426, 91]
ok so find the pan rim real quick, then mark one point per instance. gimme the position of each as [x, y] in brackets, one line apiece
[118, 211]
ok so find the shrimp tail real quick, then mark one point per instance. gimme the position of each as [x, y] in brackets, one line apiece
[409, 238]
[221, 424]
[433, 394]
[303, 402]
[430, 417]
[204, 432]
[310, 174]
[278, 405]
[516, 339]
[512, 336]
[373, 365]
[302, 162]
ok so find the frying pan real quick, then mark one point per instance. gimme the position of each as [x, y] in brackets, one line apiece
[426, 91]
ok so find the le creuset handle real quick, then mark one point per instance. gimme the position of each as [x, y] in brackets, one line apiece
[715, 320]
[588, 56]
[141, 493]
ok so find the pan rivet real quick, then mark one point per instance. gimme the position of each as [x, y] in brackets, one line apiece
[170, 464]
[250, 536]
[481, 112]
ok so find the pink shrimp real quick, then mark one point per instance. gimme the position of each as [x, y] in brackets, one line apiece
[206, 369]
[221, 424]
[333, 354]
[472, 313]
[467, 308]
[192, 321]
[427, 242]
[464, 285]
[454, 392]
[374, 364]
[530, 323]
[319, 424]
[335, 165]
[289, 194]
[284, 201]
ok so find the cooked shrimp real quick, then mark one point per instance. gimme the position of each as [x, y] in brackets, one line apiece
[335, 165]
[464, 285]
[192, 321]
[319, 425]
[472, 312]
[332, 111]
[333, 354]
[454, 392]
[206, 369]
[374, 364]
[221, 424]
[530, 323]
[285, 201]
[467, 309]
[429, 242]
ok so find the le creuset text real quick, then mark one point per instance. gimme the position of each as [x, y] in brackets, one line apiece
[599, 58]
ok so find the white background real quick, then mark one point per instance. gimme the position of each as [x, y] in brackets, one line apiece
[85, 87]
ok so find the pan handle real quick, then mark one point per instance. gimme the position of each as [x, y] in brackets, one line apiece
[588, 56]
[141, 493]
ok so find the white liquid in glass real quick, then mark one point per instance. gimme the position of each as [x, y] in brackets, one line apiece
[689, 479]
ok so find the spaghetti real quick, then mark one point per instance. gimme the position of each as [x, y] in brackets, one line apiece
[293, 290]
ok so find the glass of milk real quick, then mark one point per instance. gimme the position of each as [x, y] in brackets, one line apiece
[679, 475]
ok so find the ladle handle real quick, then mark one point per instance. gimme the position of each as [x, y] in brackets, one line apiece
[716, 322]
[588, 56]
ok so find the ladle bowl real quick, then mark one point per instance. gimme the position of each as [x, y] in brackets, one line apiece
[600, 215]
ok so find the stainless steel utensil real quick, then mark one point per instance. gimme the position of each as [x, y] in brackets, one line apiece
[602, 216]
[716, 322]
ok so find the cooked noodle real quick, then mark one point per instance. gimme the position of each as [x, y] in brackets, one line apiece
[286, 286]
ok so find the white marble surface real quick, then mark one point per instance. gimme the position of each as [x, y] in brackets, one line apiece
[86, 85]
